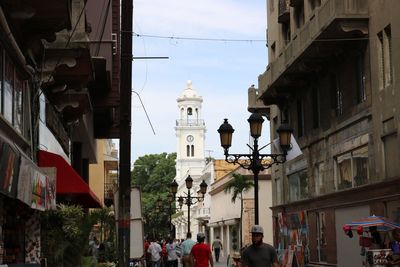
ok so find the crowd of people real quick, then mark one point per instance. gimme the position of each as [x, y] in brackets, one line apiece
[169, 252]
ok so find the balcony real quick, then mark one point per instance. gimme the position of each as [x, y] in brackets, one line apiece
[201, 213]
[284, 11]
[190, 122]
[307, 52]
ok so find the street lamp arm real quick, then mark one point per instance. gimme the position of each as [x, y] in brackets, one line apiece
[261, 161]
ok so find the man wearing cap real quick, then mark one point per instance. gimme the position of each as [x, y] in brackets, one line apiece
[201, 253]
[259, 254]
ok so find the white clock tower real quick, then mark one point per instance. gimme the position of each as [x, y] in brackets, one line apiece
[190, 133]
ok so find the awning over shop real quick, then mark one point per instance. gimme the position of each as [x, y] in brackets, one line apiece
[70, 186]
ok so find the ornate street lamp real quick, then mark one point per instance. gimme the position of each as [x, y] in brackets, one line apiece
[188, 199]
[255, 161]
[170, 209]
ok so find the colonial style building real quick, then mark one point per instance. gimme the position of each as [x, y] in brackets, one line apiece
[333, 75]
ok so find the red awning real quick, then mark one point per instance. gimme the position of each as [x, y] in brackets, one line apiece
[70, 186]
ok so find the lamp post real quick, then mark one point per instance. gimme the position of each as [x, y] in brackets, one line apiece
[169, 209]
[188, 199]
[255, 161]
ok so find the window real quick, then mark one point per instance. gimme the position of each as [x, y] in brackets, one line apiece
[337, 95]
[299, 15]
[300, 118]
[314, 3]
[360, 76]
[391, 154]
[384, 47]
[271, 5]
[321, 237]
[190, 150]
[189, 111]
[18, 107]
[8, 90]
[315, 107]
[320, 187]
[14, 95]
[351, 169]
[298, 185]
[286, 35]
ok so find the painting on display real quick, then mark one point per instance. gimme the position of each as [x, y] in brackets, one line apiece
[39, 191]
[293, 237]
[51, 192]
[25, 181]
[9, 161]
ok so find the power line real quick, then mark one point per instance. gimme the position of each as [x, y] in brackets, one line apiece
[196, 38]
[238, 40]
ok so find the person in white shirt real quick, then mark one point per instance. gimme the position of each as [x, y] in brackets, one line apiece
[172, 260]
[155, 250]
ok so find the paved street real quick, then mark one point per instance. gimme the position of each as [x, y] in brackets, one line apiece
[221, 263]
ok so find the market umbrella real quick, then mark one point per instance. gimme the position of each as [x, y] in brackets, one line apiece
[382, 224]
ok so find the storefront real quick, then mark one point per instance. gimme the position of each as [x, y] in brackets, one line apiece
[25, 191]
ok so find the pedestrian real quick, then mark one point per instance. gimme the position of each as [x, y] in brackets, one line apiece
[155, 253]
[201, 253]
[186, 247]
[172, 260]
[217, 247]
[259, 254]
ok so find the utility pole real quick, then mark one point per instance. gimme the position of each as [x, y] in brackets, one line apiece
[124, 201]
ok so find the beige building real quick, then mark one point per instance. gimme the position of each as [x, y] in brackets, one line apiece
[332, 75]
[225, 215]
[103, 175]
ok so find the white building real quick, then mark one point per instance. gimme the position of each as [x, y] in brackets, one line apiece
[190, 132]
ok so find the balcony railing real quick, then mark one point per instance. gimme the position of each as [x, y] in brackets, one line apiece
[329, 11]
[190, 122]
[202, 213]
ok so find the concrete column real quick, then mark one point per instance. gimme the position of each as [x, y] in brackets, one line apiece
[222, 237]
[211, 235]
[227, 249]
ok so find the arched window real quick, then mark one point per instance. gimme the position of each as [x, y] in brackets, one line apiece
[189, 111]
[188, 151]
[192, 148]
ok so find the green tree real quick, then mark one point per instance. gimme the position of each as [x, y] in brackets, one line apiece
[238, 185]
[153, 173]
[65, 235]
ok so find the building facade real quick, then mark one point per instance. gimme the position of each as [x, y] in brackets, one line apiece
[225, 223]
[190, 132]
[55, 93]
[332, 76]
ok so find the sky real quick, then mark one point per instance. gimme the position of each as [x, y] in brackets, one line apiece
[220, 71]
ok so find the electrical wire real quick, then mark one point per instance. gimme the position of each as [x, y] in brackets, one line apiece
[103, 26]
[148, 119]
[196, 38]
[238, 40]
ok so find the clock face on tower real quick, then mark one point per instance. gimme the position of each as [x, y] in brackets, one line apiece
[190, 138]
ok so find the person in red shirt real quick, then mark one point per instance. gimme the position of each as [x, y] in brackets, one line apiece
[201, 253]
